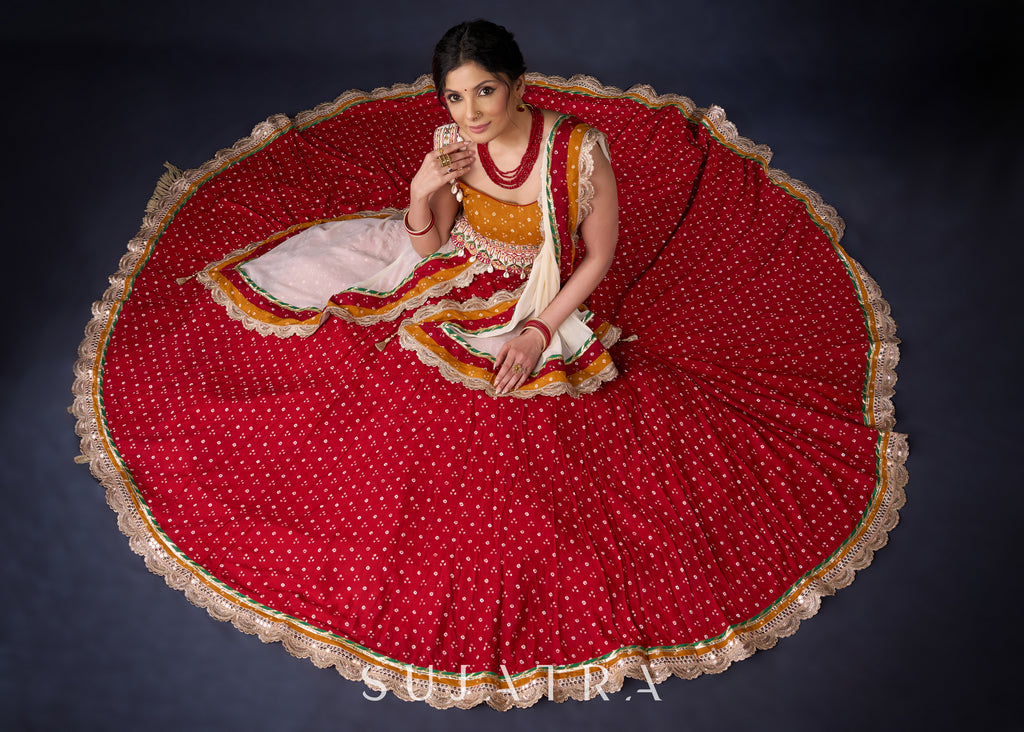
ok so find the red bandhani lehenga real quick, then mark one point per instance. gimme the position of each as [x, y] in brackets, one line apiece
[304, 438]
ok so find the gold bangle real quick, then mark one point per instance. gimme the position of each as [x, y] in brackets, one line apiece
[422, 232]
[545, 324]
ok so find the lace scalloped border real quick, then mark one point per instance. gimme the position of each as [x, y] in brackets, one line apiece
[266, 327]
[452, 374]
[591, 138]
[354, 662]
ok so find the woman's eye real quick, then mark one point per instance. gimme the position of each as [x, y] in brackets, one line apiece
[486, 90]
[452, 98]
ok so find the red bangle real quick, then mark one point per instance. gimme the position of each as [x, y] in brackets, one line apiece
[421, 232]
[535, 329]
[541, 327]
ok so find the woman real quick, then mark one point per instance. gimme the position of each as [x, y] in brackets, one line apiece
[510, 502]
[470, 224]
[486, 104]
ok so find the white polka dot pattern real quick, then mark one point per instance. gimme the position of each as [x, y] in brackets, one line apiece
[358, 491]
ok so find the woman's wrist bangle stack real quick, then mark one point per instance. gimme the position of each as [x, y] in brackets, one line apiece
[421, 232]
[541, 327]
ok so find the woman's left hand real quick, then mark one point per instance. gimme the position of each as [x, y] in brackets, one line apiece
[516, 360]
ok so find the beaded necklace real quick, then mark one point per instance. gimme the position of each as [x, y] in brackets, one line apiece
[517, 176]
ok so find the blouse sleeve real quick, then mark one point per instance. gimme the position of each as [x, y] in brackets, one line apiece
[591, 138]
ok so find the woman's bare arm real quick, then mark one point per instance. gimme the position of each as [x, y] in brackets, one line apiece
[601, 232]
[430, 195]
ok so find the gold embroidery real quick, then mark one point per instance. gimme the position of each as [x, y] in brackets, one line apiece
[494, 253]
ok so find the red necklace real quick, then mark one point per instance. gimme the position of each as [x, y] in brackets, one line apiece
[516, 177]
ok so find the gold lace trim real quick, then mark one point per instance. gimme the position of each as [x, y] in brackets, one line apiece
[885, 350]
[284, 330]
[324, 649]
[163, 186]
[586, 188]
[451, 373]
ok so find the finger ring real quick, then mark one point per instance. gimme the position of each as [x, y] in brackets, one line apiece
[517, 369]
[445, 159]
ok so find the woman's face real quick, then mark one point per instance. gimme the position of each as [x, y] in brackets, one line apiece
[480, 102]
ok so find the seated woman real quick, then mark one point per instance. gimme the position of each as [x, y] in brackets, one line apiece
[497, 210]
[656, 504]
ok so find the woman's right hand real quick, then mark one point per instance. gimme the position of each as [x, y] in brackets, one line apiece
[433, 176]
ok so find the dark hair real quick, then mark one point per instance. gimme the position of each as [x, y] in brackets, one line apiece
[486, 43]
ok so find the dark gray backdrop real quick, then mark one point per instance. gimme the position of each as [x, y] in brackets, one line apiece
[902, 115]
